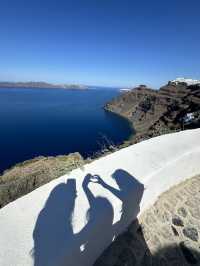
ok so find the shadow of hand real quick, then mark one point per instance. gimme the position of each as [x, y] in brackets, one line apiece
[98, 179]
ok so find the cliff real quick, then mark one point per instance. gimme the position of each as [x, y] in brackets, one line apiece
[153, 112]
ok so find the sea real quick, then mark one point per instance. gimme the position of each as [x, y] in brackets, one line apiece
[48, 122]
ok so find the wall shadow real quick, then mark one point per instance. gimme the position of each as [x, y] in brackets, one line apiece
[54, 240]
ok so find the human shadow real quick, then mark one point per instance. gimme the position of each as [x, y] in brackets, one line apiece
[55, 243]
[99, 217]
[53, 229]
[130, 192]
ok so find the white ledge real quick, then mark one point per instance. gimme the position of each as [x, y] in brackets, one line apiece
[70, 221]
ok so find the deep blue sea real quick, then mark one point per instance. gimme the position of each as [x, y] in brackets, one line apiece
[45, 122]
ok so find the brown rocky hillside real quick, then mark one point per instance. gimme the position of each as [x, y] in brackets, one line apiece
[153, 112]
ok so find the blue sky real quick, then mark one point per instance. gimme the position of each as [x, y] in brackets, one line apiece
[102, 42]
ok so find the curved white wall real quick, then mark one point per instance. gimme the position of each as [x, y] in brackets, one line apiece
[56, 225]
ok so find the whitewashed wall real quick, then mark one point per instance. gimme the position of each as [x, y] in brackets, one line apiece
[56, 225]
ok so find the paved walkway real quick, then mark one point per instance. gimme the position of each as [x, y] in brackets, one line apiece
[166, 234]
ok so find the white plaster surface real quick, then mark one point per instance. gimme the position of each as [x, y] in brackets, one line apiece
[70, 222]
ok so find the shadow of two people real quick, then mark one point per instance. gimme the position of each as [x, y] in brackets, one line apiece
[53, 233]
[54, 238]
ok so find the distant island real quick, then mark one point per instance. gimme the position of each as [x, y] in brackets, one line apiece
[41, 84]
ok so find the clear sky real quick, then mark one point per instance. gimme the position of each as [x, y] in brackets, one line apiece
[102, 42]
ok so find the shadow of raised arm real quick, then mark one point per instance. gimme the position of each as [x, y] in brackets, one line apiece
[113, 190]
[87, 191]
[99, 215]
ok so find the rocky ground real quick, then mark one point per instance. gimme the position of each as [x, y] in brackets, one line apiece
[168, 233]
[27, 176]
[155, 112]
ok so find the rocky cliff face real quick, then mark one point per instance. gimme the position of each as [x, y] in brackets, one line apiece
[153, 112]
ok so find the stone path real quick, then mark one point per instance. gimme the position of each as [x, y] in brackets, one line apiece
[166, 234]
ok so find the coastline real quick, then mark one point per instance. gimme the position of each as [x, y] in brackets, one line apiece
[133, 131]
[41, 85]
[145, 100]
[25, 176]
[137, 137]
[172, 108]
[73, 114]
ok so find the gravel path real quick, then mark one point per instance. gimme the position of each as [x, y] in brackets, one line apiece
[166, 234]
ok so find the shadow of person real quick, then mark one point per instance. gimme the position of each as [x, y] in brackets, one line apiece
[53, 230]
[130, 193]
[99, 217]
[101, 213]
